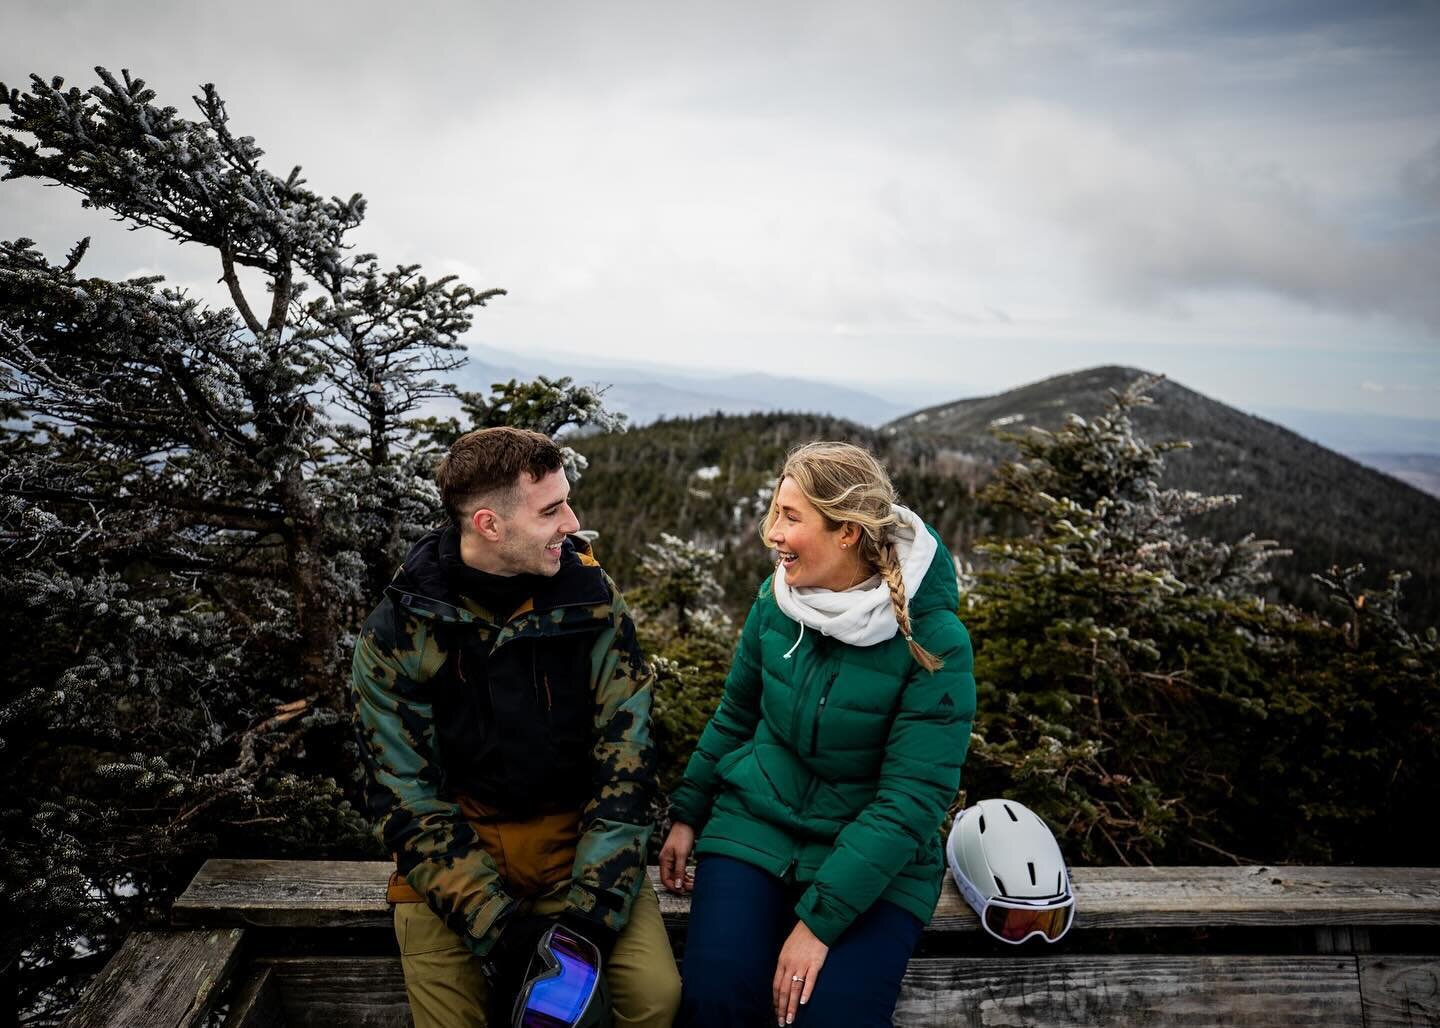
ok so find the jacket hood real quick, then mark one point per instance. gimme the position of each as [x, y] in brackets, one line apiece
[939, 589]
[423, 588]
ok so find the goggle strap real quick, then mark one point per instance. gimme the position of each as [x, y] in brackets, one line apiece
[972, 895]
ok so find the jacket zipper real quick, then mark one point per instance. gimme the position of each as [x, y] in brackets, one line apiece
[820, 711]
[539, 678]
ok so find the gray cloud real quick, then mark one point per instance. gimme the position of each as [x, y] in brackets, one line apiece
[746, 177]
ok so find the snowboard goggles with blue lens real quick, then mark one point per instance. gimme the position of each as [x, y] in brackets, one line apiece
[564, 976]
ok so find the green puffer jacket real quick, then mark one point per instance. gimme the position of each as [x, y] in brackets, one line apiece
[834, 767]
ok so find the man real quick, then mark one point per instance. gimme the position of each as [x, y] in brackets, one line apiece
[503, 706]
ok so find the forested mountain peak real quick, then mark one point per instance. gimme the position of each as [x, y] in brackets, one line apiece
[1324, 506]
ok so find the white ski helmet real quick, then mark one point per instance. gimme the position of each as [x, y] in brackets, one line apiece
[1009, 869]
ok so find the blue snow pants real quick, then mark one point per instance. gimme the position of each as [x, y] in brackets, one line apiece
[740, 917]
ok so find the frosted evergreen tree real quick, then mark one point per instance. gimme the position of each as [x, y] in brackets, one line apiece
[680, 584]
[556, 407]
[1138, 690]
[690, 638]
[199, 504]
[1087, 623]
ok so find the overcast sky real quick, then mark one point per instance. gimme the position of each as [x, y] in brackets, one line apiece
[929, 199]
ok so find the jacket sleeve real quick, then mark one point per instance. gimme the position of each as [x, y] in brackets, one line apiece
[919, 776]
[435, 847]
[616, 824]
[730, 727]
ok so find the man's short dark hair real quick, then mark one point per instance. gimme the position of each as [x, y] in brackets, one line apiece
[488, 462]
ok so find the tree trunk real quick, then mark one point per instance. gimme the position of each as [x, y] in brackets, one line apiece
[315, 614]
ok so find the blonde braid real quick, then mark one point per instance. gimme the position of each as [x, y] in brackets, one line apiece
[889, 567]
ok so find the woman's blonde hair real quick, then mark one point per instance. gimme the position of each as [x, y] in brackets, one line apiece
[846, 484]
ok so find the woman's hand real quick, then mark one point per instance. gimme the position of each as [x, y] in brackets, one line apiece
[800, 960]
[674, 856]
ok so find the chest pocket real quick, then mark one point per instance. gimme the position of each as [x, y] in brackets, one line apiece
[560, 670]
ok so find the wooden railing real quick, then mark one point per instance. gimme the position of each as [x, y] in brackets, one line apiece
[1329, 946]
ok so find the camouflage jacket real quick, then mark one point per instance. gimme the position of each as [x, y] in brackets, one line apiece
[398, 669]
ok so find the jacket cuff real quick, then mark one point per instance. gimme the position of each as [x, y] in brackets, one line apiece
[827, 922]
[690, 806]
[483, 926]
[604, 906]
[475, 922]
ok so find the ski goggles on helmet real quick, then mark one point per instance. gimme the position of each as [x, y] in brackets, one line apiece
[1014, 921]
[1017, 920]
[564, 975]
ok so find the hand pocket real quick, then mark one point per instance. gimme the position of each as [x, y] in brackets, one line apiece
[418, 931]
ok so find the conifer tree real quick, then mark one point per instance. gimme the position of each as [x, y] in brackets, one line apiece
[679, 583]
[690, 639]
[1088, 710]
[1138, 691]
[553, 407]
[199, 505]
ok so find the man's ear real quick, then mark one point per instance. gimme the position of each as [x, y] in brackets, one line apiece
[487, 524]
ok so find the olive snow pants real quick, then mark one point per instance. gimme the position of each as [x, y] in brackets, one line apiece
[447, 989]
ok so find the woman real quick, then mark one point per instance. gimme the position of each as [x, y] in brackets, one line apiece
[818, 788]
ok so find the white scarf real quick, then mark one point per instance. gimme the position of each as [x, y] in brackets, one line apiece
[862, 617]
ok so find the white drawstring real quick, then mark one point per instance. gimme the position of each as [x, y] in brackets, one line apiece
[797, 641]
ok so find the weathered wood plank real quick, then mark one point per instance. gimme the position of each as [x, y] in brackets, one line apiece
[256, 1003]
[1162, 897]
[1400, 991]
[976, 992]
[1059, 992]
[287, 894]
[348, 894]
[160, 979]
[363, 992]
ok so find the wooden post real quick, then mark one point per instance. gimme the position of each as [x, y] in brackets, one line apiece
[160, 979]
[1342, 939]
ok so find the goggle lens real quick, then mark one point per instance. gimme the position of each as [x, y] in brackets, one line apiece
[1016, 924]
[559, 998]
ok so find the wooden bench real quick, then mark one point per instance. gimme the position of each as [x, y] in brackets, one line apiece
[1297, 947]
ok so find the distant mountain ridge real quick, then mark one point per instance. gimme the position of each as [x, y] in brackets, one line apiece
[1324, 506]
[1356, 434]
[649, 392]
[1422, 470]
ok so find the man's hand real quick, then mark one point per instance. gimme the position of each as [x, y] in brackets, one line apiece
[800, 960]
[674, 856]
